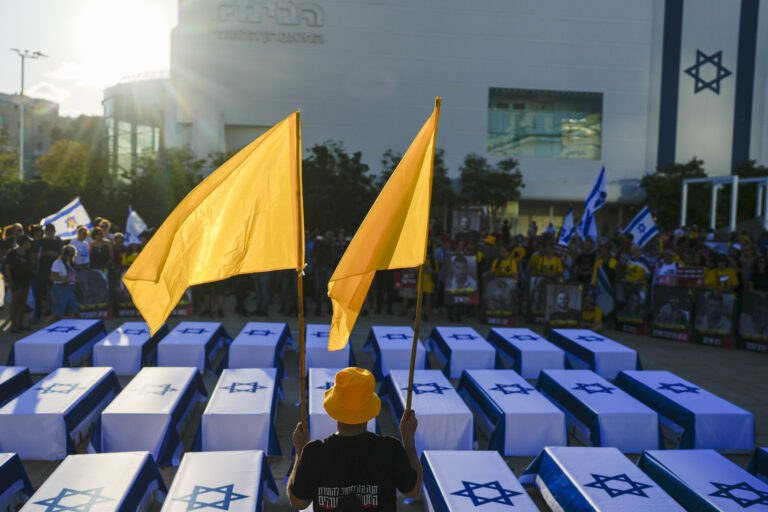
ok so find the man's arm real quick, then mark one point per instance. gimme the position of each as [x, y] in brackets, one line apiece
[408, 425]
[300, 439]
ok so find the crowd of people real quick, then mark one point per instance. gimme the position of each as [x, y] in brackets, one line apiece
[40, 270]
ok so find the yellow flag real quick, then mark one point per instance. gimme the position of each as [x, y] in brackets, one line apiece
[393, 234]
[247, 216]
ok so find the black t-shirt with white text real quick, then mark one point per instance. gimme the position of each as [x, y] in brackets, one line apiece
[368, 465]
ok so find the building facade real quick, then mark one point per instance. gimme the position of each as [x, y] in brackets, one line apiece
[40, 123]
[563, 87]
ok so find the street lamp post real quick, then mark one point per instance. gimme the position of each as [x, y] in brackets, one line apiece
[24, 54]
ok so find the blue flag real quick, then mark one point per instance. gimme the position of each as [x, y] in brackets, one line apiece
[68, 218]
[642, 227]
[134, 226]
[566, 232]
[602, 290]
[595, 200]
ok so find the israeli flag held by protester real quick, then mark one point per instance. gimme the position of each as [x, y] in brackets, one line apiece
[642, 227]
[134, 226]
[68, 218]
[602, 291]
[595, 200]
[566, 232]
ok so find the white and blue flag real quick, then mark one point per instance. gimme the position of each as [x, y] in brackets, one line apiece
[134, 226]
[642, 227]
[602, 290]
[595, 200]
[566, 232]
[68, 218]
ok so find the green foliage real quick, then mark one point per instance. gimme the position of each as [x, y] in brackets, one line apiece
[483, 184]
[65, 165]
[748, 192]
[338, 189]
[663, 194]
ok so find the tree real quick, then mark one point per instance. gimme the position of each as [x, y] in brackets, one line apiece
[65, 165]
[493, 186]
[748, 192]
[9, 159]
[663, 193]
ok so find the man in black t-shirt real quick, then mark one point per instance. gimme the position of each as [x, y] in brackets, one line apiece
[354, 470]
[18, 275]
[45, 251]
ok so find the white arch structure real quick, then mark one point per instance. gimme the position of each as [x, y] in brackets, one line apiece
[761, 205]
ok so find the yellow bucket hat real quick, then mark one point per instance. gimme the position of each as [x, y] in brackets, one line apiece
[352, 399]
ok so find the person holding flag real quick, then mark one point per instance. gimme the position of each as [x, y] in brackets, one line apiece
[642, 228]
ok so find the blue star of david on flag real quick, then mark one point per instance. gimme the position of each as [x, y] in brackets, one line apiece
[74, 500]
[156, 389]
[395, 336]
[429, 387]
[678, 387]
[726, 491]
[319, 334]
[244, 387]
[633, 488]
[326, 386]
[503, 498]
[193, 330]
[523, 337]
[511, 389]
[259, 332]
[458, 337]
[593, 388]
[60, 387]
[720, 71]
[135, 332]
[589, 338]
[228, 495]
[63, 328]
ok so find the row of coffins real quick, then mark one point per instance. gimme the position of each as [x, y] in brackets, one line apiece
[131, 482]
[568, 478]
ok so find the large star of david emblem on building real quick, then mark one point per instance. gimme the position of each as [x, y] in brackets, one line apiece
[156, 389]
[511, 389]
[219, 497]
[701, 82]
[463, 337]
[429, 387]
[63, 328]
[60, 387]
[678, 387]
[503, 497]
[589, 338]
[259, 332]
[631, 487]
[244, 387]
[523, 337]
[726, 491]
[326, 386]
[74, 500]
[593, 388]
[193, 330]
[395, 336]
[135, 332]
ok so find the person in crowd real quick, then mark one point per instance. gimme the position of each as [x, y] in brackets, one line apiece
[262, 285]
[100, 251]
[106, 227]
[323, 259]
[129, 255]
[722, 278]
[46, 250]
[591, 314]
[428, 278]
[549, 264]
[505, 264]
[63, 276]
[354, 469]
[18, 275]
[584, 263]
[637, 270]
[666, 273]
[758, 277]
[82, 245]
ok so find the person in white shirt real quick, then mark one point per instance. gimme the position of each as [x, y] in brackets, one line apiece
[666, 273]
[81, 244]
[63, 279]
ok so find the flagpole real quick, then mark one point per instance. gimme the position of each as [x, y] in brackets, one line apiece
[300, 271]
[417, 320]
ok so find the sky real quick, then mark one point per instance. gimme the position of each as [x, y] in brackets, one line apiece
[90, 44]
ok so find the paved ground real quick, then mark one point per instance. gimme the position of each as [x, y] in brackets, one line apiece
[738, 376]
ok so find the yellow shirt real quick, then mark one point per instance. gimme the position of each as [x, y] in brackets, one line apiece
[636, 271]
[129, 258]
[611, 262]
[592, 317]
[549, 266]
[506, 267]
[722, 278]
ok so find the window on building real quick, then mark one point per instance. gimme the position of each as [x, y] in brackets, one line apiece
[548, 124]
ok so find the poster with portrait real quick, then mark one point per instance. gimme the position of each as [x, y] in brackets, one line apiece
[753, 323]
[499, 300]
[125, 308]
[631, 307]
[672, 312]
[460, 283]
[93, 294]
[563, 308]
[714, 320]
[466, 223]
[537, 299]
